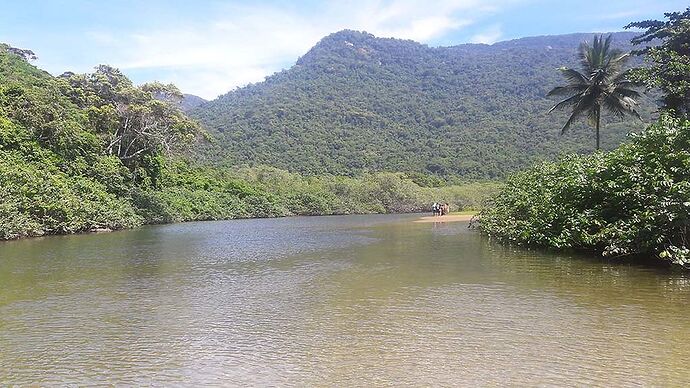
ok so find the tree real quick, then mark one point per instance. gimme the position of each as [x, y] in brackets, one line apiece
[24, 54]
[669, 62]
[134, 122]
[601, 84]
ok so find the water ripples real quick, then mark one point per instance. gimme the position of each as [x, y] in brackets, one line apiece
[375, 301]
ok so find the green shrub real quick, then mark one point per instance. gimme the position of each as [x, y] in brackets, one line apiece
[633, 201]
[38, 198]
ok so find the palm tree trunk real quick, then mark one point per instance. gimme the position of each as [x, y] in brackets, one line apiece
[598, 119]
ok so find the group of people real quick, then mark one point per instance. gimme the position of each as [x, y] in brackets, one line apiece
[440, 209]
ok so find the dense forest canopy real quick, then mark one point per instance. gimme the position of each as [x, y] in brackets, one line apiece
[358, 103]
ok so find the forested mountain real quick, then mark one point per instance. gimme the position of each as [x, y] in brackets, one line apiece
[190, 101]
[93, 151]
[357, 103]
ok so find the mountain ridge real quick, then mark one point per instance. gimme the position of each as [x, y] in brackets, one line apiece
[191, 101]
[355, 103]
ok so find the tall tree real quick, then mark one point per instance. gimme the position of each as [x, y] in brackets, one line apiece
[669, 62]
[602, 83]
[133, 121]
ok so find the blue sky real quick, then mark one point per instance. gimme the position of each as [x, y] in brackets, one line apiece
[209, 47]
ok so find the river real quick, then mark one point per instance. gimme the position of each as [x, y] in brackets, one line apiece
[332, 301]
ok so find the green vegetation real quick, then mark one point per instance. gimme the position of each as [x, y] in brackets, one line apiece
[633, 201]
[81, 152]
[668, 65]
[356, 103]
[54, 175]
[42, 194]
[602, 84]
[201, 193]
[359, 125]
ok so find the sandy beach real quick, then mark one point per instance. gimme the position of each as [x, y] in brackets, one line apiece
[446, 218]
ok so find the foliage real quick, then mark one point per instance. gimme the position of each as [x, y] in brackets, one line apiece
[39, 198]
[56, 172]
[192, 192]
[601, 84]
[356, 103]
[24, 54]
[135, 123]
[634, 200]
[669, 62]
[65, 166]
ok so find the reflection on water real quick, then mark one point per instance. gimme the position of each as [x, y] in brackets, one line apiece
[359, 300]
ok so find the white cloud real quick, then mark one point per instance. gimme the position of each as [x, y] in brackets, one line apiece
[489, 36]
[212, 81]
[245, 43]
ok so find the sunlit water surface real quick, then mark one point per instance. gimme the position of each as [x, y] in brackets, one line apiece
[343, 301]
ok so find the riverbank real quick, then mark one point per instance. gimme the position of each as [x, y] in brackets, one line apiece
[452, 217]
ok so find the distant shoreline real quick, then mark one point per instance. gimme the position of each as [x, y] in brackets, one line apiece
[453, 217]
[446, 218]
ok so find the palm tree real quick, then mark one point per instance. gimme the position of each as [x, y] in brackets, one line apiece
[602, 83]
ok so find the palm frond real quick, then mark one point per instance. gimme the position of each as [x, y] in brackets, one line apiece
[570, 101]
[566, 90]
[573, 116]
[621, 106]
[574, 77]
[585, 54]
[635, 113]
[619, 57]
[615, 105]
[625, 92]
[625, 84]
[606, 48]
[593, 114]
[623, 78]
[602, 84]
[615, 62]
[582, 104]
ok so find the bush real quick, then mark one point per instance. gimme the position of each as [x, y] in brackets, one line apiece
[40, 199]
[634, 201]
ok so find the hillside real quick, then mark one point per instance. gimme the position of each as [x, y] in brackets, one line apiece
[357, 103]
[85, 152]
[190, 101]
